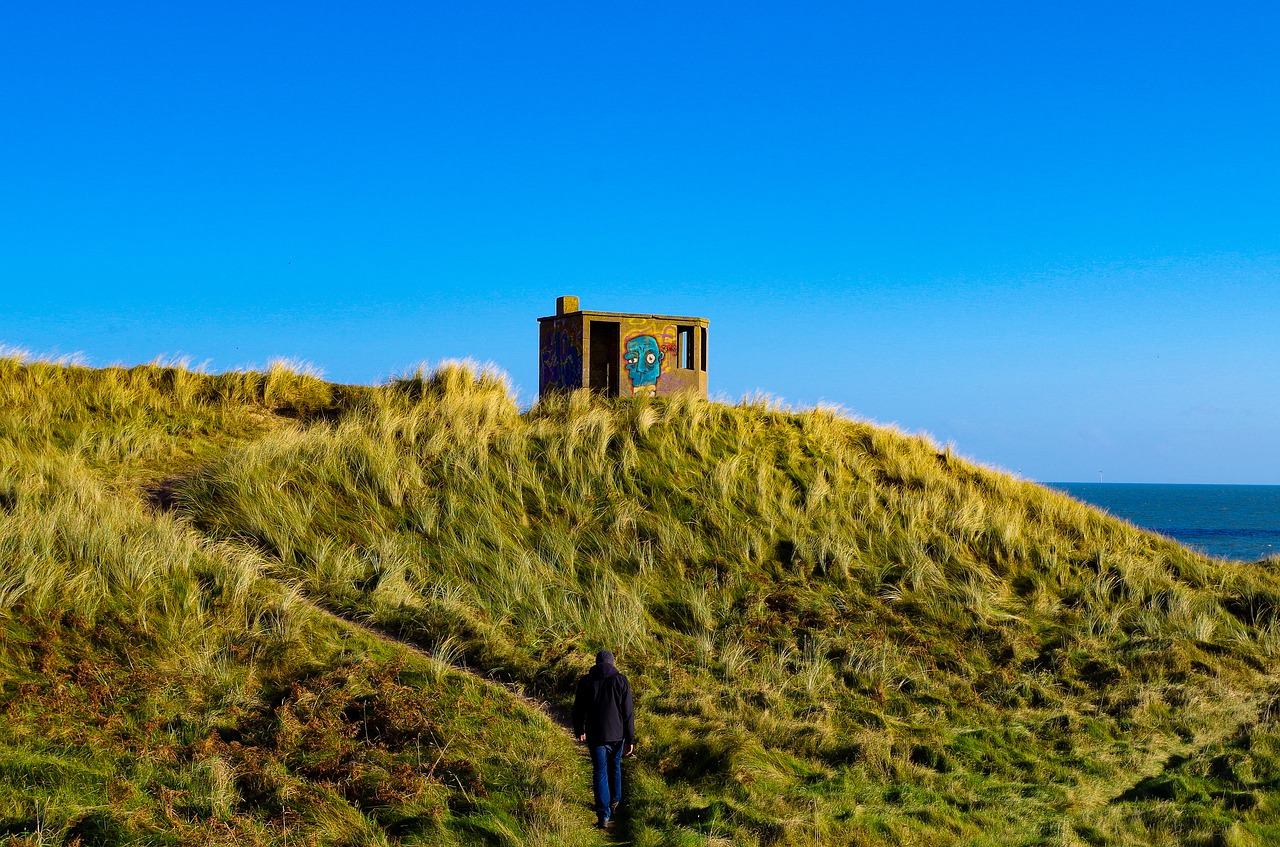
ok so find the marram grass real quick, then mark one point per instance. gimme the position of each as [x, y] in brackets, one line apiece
[159, 687]
[838, 633]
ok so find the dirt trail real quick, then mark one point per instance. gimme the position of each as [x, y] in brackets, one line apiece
[161, 496]
[553, 713]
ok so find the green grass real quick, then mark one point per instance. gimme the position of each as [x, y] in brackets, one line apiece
[838, 633]
[159, 687]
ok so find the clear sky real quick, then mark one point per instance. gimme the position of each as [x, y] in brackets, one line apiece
[1046, 232]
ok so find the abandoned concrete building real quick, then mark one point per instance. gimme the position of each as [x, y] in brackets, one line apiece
[620, 354]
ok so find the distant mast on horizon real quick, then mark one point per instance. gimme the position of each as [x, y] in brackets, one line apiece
[1099, 476]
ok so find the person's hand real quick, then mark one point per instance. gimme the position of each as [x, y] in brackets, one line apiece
[631, 748]
[583, 737]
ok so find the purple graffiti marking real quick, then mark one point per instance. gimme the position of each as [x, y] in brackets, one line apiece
[561, 360]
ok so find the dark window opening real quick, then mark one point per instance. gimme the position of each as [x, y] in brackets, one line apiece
[702, 348]
[684, 346]
[603, 340]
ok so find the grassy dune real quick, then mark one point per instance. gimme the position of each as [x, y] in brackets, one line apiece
[838, 634]
[158, 687]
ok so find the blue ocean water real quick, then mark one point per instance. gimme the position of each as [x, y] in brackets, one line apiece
[1228, 521]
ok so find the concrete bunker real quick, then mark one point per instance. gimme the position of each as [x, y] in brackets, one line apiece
[619, 354]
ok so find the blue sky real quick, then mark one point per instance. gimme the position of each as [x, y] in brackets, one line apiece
[1046, 232]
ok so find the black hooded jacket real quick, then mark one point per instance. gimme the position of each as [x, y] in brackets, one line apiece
[602, 708]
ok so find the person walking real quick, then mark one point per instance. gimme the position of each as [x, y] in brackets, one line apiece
[604, 717]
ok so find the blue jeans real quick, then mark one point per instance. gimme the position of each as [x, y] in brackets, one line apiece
[606, 777]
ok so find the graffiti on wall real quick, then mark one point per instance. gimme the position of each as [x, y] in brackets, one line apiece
[560, 360]
[649, 355]
[643, 357]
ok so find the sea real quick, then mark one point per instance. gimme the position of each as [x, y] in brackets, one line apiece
[1239, 522]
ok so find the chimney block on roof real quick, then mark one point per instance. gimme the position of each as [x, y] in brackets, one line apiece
[565, 305]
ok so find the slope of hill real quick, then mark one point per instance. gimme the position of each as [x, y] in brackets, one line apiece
[838, 634]
[158, 688]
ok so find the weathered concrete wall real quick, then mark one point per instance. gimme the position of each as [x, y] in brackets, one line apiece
[650, 359]
[560, 353]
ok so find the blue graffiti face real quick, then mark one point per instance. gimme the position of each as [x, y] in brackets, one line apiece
[644, 360]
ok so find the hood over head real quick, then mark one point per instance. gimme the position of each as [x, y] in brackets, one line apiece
[602, 671]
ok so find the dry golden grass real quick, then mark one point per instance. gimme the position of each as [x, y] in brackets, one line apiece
[839, 633]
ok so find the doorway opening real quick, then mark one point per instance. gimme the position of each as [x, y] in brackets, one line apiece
[605, 345]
